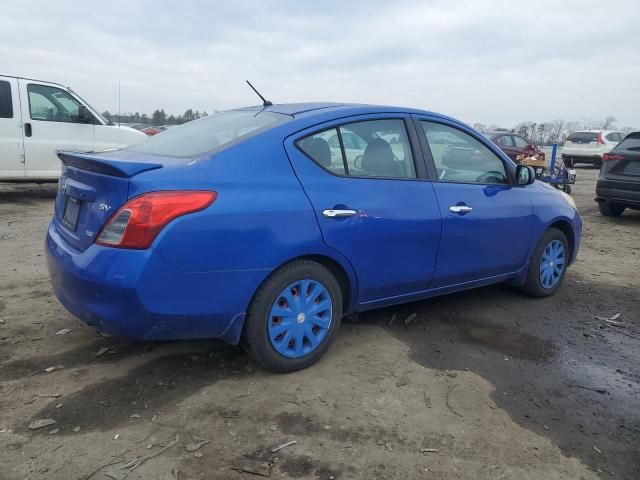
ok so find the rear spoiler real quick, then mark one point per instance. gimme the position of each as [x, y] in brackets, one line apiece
[115, 167]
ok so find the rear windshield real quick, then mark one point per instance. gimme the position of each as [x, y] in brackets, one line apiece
[631, 142]
[209, 133]
[583, 137]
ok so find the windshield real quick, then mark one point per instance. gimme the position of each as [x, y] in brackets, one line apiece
[209, 133]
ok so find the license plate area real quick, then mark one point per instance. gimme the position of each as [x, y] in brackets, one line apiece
[71, 213]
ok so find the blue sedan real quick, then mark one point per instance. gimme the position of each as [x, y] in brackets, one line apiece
[267, 225]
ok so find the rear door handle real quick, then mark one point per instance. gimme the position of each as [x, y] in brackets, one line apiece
[27, 130]
[460, 209]
[338, 213]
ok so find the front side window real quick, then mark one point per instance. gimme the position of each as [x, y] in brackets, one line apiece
[459, 157]
[52, 104]
[520, 142]
[372, 148]
[209, 133]
[6, 102]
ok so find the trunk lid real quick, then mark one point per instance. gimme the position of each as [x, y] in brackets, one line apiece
[91, 188]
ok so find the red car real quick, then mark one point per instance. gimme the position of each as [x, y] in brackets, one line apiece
[512, 144]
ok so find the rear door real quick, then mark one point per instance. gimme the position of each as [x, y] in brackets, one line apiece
[51, 122]
[11, 148]
[486, 220]
[372, 201]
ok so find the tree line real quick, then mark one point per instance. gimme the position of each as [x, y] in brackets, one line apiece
[157, 118]
[555, 131]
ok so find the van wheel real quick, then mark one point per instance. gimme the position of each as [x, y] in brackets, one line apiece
[610, 209]
[294, 317]
[568, 162]
[548, 264]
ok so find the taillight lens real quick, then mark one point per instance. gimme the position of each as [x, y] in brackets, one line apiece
[600, 140]
[607, 157]
[137, 223]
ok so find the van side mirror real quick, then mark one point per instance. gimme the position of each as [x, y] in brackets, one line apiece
[525, 175]
[84, 115]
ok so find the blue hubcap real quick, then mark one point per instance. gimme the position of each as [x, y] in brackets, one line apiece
[300, 318]
[552, 264]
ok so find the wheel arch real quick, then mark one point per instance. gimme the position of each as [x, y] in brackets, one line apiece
[565, 227]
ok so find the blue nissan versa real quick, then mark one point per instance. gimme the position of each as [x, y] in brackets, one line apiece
[266, 225]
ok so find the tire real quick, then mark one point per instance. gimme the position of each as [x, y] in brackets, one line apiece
[544, 277]
[568, 162]
[566, 188]
[286, 343]
[610, 209]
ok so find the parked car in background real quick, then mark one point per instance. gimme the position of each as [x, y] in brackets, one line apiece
[618, 185]
[589, 146]
[512, 144]
[37, 118]
[256, 226]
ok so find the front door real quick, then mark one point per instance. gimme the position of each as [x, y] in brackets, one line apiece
[11, 158]
[486, 219]
[370, 203]
[52, 122]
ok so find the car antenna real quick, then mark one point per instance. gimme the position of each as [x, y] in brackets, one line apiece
[265, 102]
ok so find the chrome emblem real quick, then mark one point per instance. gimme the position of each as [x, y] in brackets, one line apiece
[62, 184]
[104, 207]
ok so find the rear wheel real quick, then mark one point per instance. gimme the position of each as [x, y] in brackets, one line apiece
[293, 317]
[548, 264]
[610, 209]
[568, 162]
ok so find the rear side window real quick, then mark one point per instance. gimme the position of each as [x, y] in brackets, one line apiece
[505, 140]
[631, 142]
[324, 149]
[583, 137]
[209, 133]
[372, 148]
[613, 137]
[6, 102]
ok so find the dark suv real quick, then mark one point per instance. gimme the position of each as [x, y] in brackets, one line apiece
[619, 182]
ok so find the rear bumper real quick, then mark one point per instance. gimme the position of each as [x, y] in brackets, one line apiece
[139, 295]
[583, 157]
[619, 192]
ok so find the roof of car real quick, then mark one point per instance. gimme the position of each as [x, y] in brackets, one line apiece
[312, 108]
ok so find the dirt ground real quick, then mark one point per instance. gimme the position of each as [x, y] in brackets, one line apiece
[486, 384]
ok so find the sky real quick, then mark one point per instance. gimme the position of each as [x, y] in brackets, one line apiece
[497, 62]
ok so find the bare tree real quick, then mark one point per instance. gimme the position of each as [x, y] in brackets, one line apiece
[628, 130]
[608, 123]
[481, 127]
[556, 128]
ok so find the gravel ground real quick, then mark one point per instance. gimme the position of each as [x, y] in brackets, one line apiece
[485, 384]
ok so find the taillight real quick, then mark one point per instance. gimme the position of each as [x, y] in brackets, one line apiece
[137, 223]
[600, 140]
[607, 157]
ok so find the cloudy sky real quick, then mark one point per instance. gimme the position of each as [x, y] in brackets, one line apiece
[491, 61]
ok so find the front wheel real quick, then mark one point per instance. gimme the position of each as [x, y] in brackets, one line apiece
[548, 264]
[293, 317]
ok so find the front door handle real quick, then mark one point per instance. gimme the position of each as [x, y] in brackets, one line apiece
[338, 213]
[460, 209]
[27, 130]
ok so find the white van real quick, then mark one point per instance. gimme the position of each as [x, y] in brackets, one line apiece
[37, 118]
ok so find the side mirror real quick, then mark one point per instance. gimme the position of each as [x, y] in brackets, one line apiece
[525, 175]
[84, 115]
